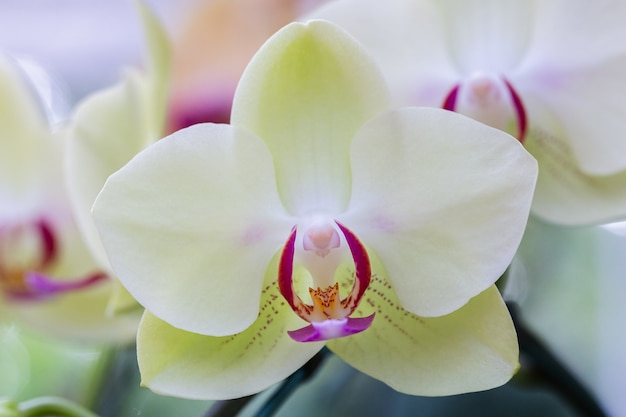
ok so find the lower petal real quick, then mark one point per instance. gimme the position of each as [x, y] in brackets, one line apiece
[475, 348]
[182, 364]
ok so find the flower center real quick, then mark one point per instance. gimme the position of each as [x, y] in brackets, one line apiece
[320, 251]
[26, 249]
[490, 99]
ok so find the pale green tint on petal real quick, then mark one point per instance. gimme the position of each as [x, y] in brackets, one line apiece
[401, 36]
[486, 35]
[565, 194]
[473, 349]
[158, 74]
[15, 363]
[443, 201]
[190, 225]
[306, 93]
[589, 105]
[175, 362]
[108, 129]
[111, 126]
[121, 301]
[23, 147]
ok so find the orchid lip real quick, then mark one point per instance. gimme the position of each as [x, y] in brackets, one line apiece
[331, 329]
[329, 314]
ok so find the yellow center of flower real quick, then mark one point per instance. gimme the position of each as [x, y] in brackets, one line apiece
[327, 304]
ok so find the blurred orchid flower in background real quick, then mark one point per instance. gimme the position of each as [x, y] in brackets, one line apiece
[47, 277]
[108, 128]
[552, 73]
[218, 230]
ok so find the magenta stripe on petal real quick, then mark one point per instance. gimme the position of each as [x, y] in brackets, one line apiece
[520, 111]
[331, 329]
[49, 243]
[285, 273]
[41, 286]
[450, 102]
[363, 269]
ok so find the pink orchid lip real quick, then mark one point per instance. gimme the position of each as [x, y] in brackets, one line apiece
[450, 101]
[331, 329]
[327, 302]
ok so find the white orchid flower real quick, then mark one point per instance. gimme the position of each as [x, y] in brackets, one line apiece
[320, 217]
[47, 277]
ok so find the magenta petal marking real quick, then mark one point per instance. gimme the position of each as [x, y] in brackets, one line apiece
[520, 111]
[285, 269]
[49, 243]
[41, 286]
[362, 266]
[450, 101]
[331, 329]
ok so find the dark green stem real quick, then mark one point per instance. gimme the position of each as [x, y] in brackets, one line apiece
[52, 406]
[230, 408]
[289, 385]
[119, 377]
[543, 365]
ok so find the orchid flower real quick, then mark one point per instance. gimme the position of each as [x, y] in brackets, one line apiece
[320, 217]
[108, 129]
[552, 73]
[47, 278]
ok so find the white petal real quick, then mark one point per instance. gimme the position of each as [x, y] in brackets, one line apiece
[109, 128]
[486, 35]
[566, 194]
[190, 225]
[576, 68]
[306, 93]
[24, 143]
[442, 200]
[588, 103]
[412, 37]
